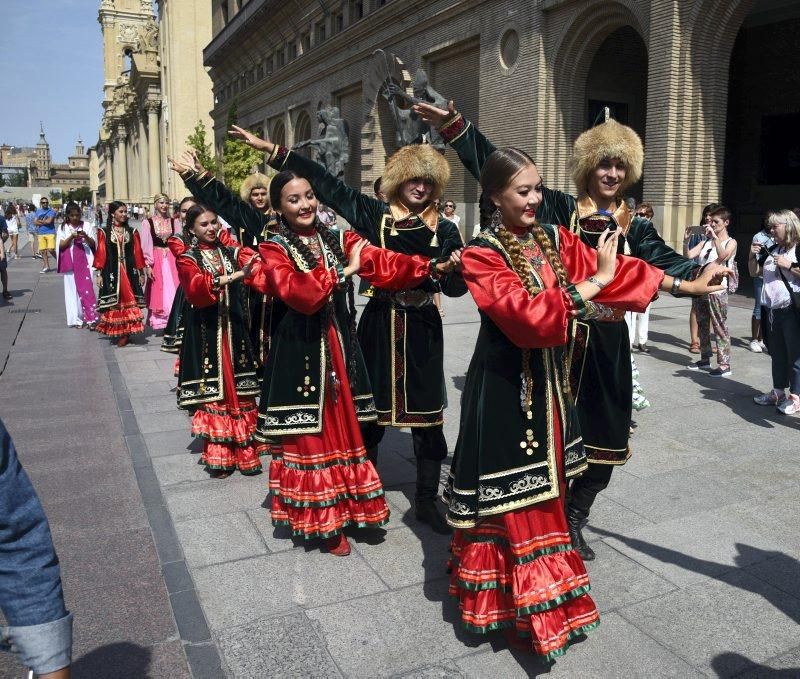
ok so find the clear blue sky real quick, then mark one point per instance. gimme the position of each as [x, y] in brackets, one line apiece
[52, 70]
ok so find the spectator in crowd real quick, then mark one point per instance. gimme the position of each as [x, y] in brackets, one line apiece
[38, 627]
[712, 309]
[780, 297]
[4, 259]
[46, 222]
[12, 225]
[693, 236]
[638, 324]
[33, 230]
[764, 240]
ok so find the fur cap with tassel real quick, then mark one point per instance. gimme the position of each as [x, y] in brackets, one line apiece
[253, 181]
[607, 140]
[415, 160]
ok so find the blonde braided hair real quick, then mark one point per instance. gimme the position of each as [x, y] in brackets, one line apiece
[497, 172]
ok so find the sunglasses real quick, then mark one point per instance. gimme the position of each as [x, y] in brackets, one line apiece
[449, 205]
[641, 214]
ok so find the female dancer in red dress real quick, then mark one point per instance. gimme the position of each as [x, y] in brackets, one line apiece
[119, 263]
[162, 271]
[514, 567]
[316, 388]
[217, 373]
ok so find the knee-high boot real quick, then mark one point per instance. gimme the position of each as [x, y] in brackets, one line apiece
[428, 473]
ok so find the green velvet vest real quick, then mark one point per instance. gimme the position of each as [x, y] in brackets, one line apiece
[108, 296]
[506, 455]
[296, 374]
[200, 374]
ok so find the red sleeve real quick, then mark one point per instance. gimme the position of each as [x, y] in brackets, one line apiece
[177, 246]
[635, 282]
[138, 254]
[197, 283]
[100, 254]
[303, 292]
[387, 269]
[529, 322]
[226, 238]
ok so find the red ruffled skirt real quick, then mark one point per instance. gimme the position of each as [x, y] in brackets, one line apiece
[321, 483]
[228, 427]
[126, 317]
[518, 572]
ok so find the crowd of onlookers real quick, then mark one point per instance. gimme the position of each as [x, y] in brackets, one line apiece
[772, 262]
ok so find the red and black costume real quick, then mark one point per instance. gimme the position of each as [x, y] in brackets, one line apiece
[316, 389]
[513, 565]
[120, 261]
[218, 370]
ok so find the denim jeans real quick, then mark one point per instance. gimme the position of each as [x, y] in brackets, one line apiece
[39, 627]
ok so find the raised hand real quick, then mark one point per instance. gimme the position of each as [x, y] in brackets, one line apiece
[250, 139]
[433, 115]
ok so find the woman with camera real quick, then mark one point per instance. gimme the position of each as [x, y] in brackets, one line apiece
[75, 244]
[780, 313]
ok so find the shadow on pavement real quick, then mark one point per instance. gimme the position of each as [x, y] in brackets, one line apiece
[738, 397]
[730, 665]
[113, 661]
[783, 601]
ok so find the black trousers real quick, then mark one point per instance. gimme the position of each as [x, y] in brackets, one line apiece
[429, 442]
[584, 489]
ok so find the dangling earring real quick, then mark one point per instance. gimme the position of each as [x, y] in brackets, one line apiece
[194, 241]
[497, 219]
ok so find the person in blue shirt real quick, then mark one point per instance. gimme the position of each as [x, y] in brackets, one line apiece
[38, 626]
[45, 220]
[30, 222]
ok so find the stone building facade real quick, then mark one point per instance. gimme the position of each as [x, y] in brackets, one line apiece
[154, 93]
[534, 74]
[37, 163]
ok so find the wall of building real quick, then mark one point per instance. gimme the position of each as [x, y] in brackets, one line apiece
[525, 72]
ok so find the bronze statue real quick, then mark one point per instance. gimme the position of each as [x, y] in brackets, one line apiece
[333, 146]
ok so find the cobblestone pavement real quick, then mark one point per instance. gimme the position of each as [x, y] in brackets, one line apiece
[696, 538]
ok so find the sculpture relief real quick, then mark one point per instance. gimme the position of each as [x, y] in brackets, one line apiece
[333, 146]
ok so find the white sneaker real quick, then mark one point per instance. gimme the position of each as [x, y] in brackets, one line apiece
[755, 347]
[790, 406]
[45, 270]
[763, 346]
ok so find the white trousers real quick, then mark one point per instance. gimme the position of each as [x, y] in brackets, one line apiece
[72, 302]
[638, 325]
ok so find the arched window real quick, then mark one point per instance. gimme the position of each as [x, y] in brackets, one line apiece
[279, 133]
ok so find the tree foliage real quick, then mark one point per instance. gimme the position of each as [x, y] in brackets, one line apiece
[83, 194]
[204, 149]
[239, 160]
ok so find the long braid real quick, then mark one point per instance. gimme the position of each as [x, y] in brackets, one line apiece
[523, 269]
[335, 247]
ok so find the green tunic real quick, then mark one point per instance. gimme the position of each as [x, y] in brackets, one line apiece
[403, 344]
[200, 374]
[601, 368]
[251, 227]
[505, 460]
[296, 373]
[108, 294]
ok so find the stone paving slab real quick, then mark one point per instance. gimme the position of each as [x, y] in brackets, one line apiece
[691, 539]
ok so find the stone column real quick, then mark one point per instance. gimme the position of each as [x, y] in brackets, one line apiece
[109, 158]
[144, 175]
[154, 146]
[122, 168]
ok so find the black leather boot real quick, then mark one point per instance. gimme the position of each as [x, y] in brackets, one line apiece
[425, 502]
[576, 522]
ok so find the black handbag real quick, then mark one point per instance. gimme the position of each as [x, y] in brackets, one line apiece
[795, 296]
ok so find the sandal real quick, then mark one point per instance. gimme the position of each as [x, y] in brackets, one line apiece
[7, 295]
[694, 348]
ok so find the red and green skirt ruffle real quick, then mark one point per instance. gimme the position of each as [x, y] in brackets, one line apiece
[123, 319]
[518, 571]
[321, 483]
[228, 433]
